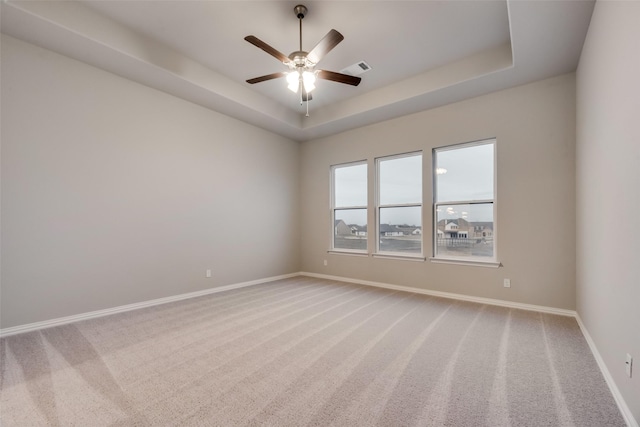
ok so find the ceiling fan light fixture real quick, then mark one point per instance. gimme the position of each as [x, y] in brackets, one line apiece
[309, 80]
[293, 78]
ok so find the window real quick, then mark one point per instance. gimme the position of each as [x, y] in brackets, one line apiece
[349, 207]
[399, 204]
[464, 202]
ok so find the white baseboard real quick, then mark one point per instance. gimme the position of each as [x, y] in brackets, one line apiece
[106, 312]
[481, 300]
[622, 405]
[100, 313]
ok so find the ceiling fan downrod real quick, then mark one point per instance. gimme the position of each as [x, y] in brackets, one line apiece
[301, 11]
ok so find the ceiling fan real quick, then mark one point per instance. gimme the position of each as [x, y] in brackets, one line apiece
[302, 73]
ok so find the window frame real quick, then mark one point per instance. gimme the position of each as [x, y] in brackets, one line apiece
[333, 208]
[469, 260]
[379, 206]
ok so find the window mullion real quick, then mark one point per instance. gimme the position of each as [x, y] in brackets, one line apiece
[403, 205]
[466, 202]
[350, 207]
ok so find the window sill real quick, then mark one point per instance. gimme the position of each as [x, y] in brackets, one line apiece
[474, 263]
[348, 253]
[402, 257]
[378, 255]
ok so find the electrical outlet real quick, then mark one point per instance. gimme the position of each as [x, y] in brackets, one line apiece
[208, 274]
[629, 365]
[325, 263]
[507, 283]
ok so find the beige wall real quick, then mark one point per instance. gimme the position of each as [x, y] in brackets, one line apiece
[114, 193]
[608, 190]
[535, 130]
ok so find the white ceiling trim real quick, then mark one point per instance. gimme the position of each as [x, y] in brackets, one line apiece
[542, 44]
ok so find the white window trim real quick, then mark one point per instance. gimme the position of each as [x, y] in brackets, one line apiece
[397, 255]
[332, 248]
[347, 252]
[394, 255]
[474, 261]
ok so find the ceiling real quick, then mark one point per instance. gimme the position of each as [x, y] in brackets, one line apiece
[422, 54]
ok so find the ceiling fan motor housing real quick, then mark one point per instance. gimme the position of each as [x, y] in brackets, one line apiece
[299, 60]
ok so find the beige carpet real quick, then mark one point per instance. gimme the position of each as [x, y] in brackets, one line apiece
[305, 351]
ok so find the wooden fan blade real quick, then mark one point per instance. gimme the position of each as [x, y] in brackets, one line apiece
[339, 77]
[267, 77]
[324, 46]
[270, 50]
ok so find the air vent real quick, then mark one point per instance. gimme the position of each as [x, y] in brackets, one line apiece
[356, 69]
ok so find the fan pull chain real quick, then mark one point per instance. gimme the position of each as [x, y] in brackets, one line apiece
[302, 98]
